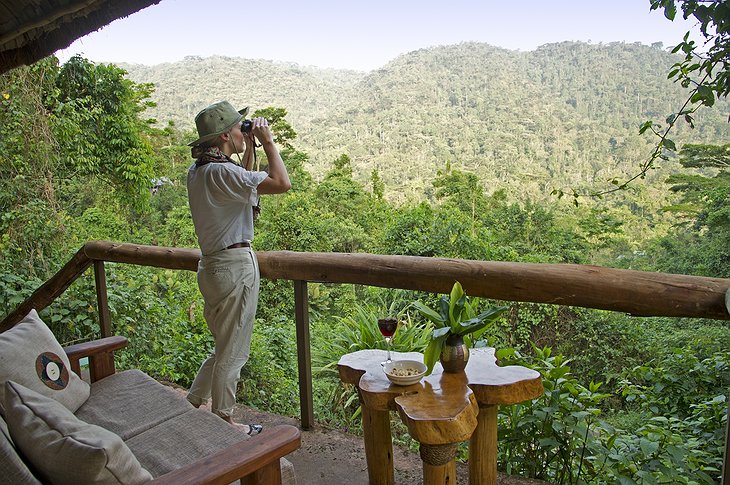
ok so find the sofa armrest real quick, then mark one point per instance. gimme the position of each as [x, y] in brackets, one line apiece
[100, 353]
[255, 460]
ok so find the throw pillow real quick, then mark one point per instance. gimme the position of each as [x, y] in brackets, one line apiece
[64, 449]
[30, 355]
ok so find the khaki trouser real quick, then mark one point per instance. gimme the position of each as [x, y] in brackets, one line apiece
[229, 282]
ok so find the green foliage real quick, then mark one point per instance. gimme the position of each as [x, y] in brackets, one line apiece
[703, 70]
[269, 379]
[602, 345]
[284, 133]
[30, 219]
[702, 337]
[100, 133]
[699, 244]
[704, 198]
[360, 331]
[14, 288]
[409, 232]
[714, 19]
[562, 437]
[663, 450]
[551, 437]
[66, 132]
[677, 381]
[300, 178]
[71, 318]
[378, 185]
[160, 312]
[461, 190]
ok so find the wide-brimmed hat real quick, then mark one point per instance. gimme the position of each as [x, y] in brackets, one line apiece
[215, 120]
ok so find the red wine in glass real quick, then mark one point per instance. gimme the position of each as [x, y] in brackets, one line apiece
[387, 327]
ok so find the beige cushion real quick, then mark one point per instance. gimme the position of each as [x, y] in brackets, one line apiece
[130, 402]
[189, 437]
[30, 355]
[12, 468]
[64, 449]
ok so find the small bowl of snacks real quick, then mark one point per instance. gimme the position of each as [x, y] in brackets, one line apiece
[404, 372]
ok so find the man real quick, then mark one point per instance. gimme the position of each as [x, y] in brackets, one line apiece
[223, 197]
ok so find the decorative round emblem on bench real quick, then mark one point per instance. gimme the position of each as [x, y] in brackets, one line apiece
[52, 371]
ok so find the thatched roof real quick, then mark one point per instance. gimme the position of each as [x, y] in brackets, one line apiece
[33, 29]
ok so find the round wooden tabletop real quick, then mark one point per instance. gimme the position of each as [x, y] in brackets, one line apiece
[490, 383]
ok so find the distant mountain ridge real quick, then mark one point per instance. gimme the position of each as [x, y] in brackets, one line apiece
[566, 114]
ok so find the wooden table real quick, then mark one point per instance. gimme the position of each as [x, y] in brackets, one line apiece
[440, 412]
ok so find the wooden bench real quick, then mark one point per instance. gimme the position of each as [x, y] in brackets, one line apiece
[175, 442]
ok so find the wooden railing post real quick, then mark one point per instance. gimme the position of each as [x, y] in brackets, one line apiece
[304, 357]
[725, 467]
[102, 302]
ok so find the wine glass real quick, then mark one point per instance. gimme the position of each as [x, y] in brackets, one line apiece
[387, 327]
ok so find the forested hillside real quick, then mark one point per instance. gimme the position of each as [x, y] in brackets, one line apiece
[563, 116]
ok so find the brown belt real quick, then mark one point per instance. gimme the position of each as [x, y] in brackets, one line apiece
[239, 245]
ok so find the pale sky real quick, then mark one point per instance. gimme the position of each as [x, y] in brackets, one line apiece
[364, 35]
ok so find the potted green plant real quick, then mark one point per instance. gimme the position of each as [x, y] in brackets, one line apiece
[456, 327]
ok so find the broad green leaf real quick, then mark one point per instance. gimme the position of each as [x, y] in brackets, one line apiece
[645, 126]
[492, 313]
[444, 308]
[505, 353]
[648, 447]
[548, 442]
[464, 328]
[432, 353]
[457, 300]
[429, 313]
[456, 292]
[440, 332]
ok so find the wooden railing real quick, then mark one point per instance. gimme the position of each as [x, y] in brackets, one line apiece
[637, 293]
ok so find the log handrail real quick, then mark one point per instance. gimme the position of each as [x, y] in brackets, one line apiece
[639, 293]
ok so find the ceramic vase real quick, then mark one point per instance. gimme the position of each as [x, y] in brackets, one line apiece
[455, 354]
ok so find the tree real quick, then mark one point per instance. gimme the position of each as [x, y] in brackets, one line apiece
[706, 73]
[102, 134]
[462, 190]
[705, 198]
[378, 185]
[283, 131]
[701, 247]
[71, 137]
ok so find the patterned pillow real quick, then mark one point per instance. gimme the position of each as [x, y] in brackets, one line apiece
[30, 355]
[64, 449]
